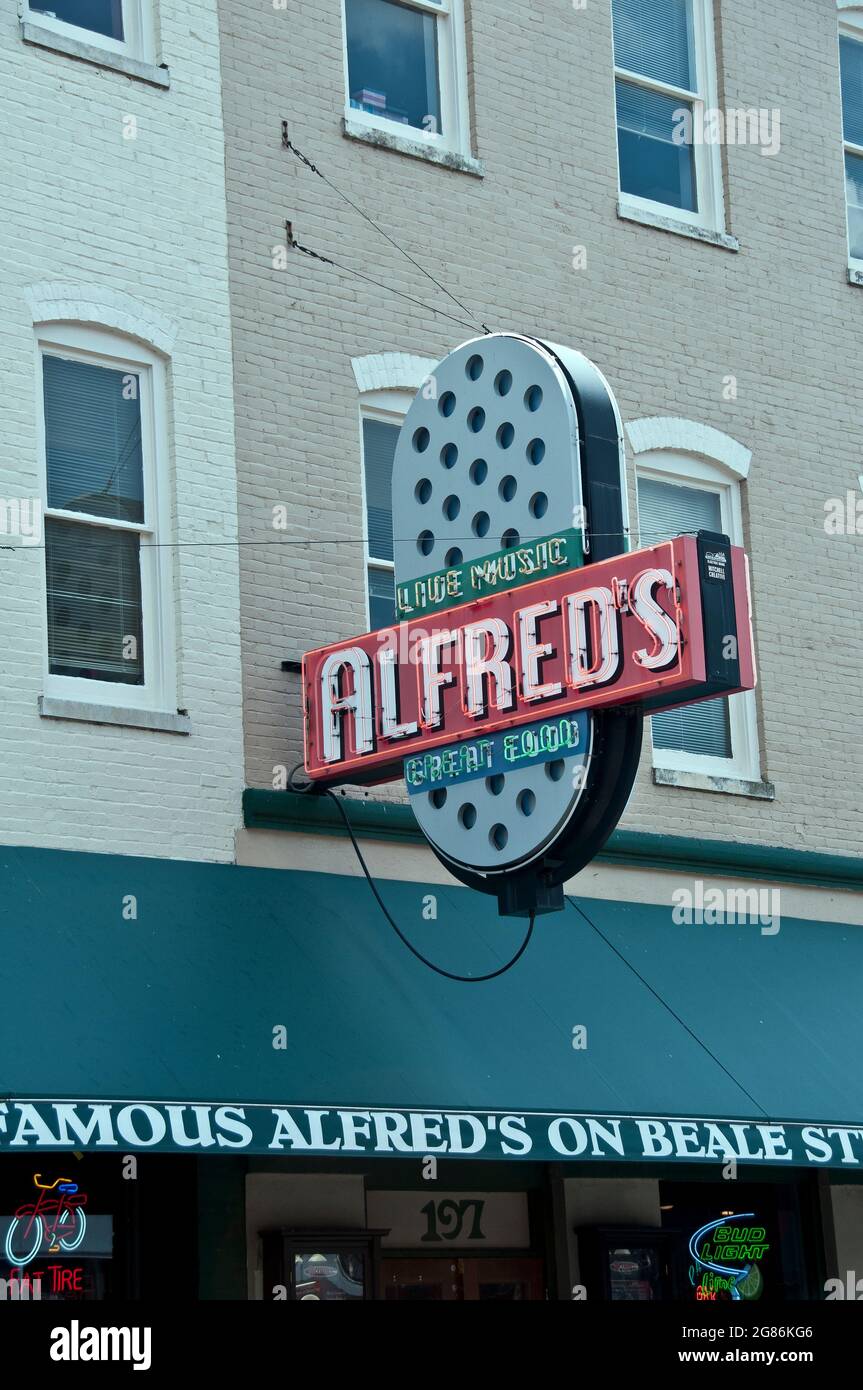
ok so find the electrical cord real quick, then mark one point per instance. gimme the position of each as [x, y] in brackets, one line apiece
[447, 974]
[292, 149]
[665, 1005]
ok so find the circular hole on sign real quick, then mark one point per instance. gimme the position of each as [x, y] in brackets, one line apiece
[476, 419]
[478, 471]
[423, 490]
[480, 524]
[536, 451]
[538, 504]
[554, 771]
[437, 798]
[507, 488]
[495, 784]
[454, 556]
[421, 439]
[474, 368]
[525, 801]
[467, 816]
[533, 397]
[498, 835]
[446, 404]
[425, 542]
[509, 539]
[505, 435]
[503, 383]
[452, 507]
[449, 456]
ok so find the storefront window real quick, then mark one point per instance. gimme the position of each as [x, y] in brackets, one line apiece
[94, 1227]
[328, 1278]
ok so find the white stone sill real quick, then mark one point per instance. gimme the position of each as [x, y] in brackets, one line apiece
[703, 782]
[163, 721]
[855, 275]
[43, 37]
[628, 212]
[400, 144]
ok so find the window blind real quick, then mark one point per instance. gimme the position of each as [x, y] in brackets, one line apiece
[379, 447]
[851, 59]
[382, 598]
[854, 186]
[94, 602]
[665, 510]
[93, 439]
[655, 38]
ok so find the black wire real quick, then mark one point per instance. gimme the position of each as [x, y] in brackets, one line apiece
[288, 144]
[447, 974]
[328, 260]
[665, 1004]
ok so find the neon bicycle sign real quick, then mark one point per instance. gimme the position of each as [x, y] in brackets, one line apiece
[55, 1219]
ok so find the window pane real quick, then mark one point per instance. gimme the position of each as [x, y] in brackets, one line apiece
[329, 1278]
[704, 728]
[655, 38]
[668, 509]
[665, 510]
[393, 62]
[854, 184]
[93, 439]
[851, 58]
[379, 447]
[94, 602]
[382, 599]
[651, 164]
[100, 16]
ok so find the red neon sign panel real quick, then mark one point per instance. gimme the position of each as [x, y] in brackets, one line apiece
[625, 631]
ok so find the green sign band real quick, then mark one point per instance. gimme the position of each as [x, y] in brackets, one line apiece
[39, 1126]
[505, 569]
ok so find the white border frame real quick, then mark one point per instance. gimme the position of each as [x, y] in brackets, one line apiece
[850, 26]
[674, 466]
[391, 407]
[138, 28]
[454, 138]
[709, 189]
[107, 349]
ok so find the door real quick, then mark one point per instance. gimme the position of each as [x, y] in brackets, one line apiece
[475, 1280]
[508, 1280]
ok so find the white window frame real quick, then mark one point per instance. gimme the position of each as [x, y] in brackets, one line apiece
[139, 41]
[108, 349]
[668, 466]
[851, 27]
[454, 138]
[709, 189]
[390, 406]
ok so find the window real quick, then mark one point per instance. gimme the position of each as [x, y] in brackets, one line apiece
[677, 495]
[665, 79]
[380, 435]
[107, 576]
[851, 61]
[121, 26]
[406, 70]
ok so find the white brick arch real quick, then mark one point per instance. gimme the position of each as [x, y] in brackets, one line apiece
[54, 302]
[391, 371]
[669, 432]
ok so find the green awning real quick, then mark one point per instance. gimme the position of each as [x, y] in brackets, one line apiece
[135, 987]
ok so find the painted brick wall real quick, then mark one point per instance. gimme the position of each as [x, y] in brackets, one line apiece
[667, 319]
[138, 226]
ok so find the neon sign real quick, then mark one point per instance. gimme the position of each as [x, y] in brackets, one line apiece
[725, 1259]
[609, 635]
[56, 1219]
